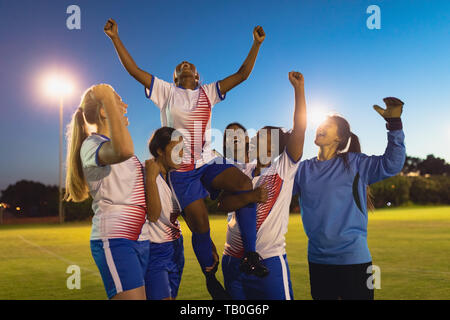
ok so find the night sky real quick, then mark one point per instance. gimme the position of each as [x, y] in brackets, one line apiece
[347, 68]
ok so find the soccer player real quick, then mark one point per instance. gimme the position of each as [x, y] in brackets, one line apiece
[103, 165]
[236, 144]
[166, 258]
[333, 200]
[273, 179]
[186, 105]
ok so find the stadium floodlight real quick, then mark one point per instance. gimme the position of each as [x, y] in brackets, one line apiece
[58, 85]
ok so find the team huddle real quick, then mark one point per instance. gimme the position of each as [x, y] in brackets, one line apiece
[136, 239]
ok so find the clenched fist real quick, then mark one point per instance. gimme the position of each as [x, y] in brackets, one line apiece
[111, 29]
[258, 34]
[296, 79]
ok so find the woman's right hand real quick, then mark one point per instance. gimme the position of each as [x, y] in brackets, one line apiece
[111, 29]
[261, 194]
[152, 168]
[102, 91]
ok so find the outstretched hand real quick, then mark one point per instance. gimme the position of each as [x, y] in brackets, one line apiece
[111, 28]
[394, 108]
[258, 34]
[296, 79]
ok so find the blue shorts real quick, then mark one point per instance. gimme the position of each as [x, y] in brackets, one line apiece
[122, 263]
[193, 185]
[276, 286]
[165, 266]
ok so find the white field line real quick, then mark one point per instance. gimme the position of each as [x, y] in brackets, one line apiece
[56, 255]
[416, 271]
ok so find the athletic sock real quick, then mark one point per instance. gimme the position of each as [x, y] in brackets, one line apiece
[246, 218]
[202, 245]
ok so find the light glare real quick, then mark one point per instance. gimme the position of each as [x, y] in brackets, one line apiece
[316, 116]
[58, 86]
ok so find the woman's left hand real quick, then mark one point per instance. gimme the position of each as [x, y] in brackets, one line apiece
[394, 108]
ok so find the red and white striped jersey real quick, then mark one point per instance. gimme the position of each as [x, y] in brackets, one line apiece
[167, 228]
[188, 111]
[117, 191]
[272, 217]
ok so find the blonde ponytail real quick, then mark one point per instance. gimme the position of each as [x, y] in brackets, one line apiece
[76, 186]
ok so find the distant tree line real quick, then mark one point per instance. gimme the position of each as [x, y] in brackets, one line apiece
[422, 181]
[33, 199]
[431, 165]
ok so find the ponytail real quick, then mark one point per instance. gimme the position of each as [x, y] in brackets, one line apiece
[76, 186]
[354, 146]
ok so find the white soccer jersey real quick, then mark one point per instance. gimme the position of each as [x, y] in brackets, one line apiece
[190, 112]
[118, 194]
[167, 228]
[273, 215]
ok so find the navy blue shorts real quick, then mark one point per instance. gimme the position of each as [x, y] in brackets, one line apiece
[276, 286]
[193, 185]
[122, 263]
[164, 270]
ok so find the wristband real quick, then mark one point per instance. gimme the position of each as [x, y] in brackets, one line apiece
[393, 124]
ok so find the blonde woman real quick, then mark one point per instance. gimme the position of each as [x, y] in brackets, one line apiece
[103, 165]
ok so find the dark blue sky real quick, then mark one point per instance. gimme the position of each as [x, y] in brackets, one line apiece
[347, 67]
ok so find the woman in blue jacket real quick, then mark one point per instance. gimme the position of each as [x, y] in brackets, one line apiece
[332, 189]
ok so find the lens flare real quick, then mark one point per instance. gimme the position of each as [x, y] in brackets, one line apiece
[316, 116]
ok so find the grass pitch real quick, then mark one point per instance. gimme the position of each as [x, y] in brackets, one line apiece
[410, 245]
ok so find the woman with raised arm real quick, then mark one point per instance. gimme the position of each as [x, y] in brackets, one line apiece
[332, 189]
[186, 105]
[103, 164]
[273, 177]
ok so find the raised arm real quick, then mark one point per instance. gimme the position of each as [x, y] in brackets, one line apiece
[297, 137]
[231, 202]
[152, 170]
[140, 75]
[244, 71]
[120, 146]
[376, 168]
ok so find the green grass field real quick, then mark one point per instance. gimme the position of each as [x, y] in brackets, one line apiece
[411, 246]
